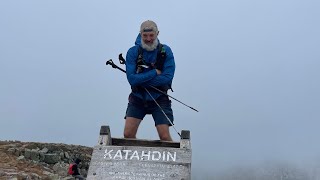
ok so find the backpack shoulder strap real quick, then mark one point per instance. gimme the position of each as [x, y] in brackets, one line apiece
[161, 56]
[140, 53]
[162, 51]
[139, 60]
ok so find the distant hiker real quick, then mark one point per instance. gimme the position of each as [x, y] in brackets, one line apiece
[149, 63]
[74, 169]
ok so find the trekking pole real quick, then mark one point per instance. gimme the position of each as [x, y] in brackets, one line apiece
[173, 98]
[163, 112]
[121, 59]
[110, 62]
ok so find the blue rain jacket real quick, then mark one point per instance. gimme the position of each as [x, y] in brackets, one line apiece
[149, 76]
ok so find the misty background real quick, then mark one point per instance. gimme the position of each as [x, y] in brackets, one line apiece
[251, 68]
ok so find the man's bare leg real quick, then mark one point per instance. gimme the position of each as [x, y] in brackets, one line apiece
[131, 127]
[164, 133]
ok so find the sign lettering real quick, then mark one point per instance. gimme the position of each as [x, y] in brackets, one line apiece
[140, 155]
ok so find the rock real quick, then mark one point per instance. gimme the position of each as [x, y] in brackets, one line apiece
[41, 160]
[61, 169]
[44, 150]
[51, 158]
[17, 152]
[61, 155]
[54, 176]
[27, 153]
[88, 156]
[68, 178]
[83, 172]
[35, 155]
[41, 156]
[12, 150]
[66, 154]
[47, 173]
[20, 158]
[53, 148]
[35, 176]
[13, 178]
[31, 146]
[46, 168]
[11, 174]
[24, 175]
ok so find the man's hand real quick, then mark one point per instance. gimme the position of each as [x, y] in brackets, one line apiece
[158, 71]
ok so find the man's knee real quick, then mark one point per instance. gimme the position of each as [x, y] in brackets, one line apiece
[164, 133]
[131, 127]
[129, 134]
[165, 137]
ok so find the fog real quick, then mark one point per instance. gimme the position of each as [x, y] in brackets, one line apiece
[251, 68]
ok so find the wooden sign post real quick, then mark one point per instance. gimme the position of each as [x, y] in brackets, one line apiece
[136, 159]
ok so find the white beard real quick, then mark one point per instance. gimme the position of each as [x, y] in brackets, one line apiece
[151, 47]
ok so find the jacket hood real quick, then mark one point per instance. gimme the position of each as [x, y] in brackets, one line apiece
[138, 40]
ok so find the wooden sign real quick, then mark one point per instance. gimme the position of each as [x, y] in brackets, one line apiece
[133, 159]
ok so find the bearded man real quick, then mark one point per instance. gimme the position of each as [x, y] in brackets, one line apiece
[149, 63]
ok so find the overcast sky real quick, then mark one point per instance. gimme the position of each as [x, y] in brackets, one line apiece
[250, 67]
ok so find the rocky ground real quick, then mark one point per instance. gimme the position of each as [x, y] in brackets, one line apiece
[32, 160]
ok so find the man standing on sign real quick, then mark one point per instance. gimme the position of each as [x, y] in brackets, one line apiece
[149, 63]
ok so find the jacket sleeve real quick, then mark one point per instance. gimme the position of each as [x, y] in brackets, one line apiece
[136, 79]
[166, 76]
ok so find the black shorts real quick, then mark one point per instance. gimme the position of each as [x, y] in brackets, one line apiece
[137, 108]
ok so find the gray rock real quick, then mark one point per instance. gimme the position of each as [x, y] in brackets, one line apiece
[68, 178]
[24, 175]
[54, 176]
[17, 152]
[27, 153]
[35, 176]
[66, 154]
[83, 172]
[12, 150]
[35, 155]
[41, 156]
[51, 175]
[52, 148]
[44, 150]
[88, 156]
[32, 146]
[47, 173]
[13, 178]
[61, 169]
[20, 158]
[61, 155]
[46, 168]
[51, 158]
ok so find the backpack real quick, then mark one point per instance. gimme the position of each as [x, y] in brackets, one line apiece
[70, 169]
[161, 57]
